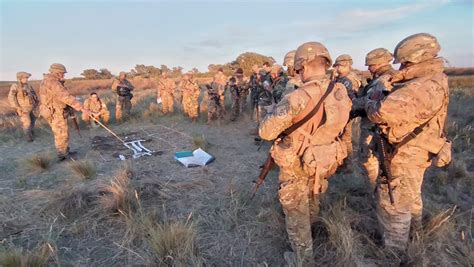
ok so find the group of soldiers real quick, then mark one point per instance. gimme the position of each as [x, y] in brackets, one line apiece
[307, 112]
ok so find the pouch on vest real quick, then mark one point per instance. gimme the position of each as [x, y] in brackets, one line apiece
[443, 158]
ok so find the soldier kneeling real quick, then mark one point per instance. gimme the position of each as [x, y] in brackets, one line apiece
[98, 109]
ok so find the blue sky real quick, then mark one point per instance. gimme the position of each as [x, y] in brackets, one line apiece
[119, 34]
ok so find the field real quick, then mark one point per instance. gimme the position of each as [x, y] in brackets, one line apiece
[100, 211]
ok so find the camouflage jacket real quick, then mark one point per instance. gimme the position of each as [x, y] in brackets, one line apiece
[279, 87]
[166, 86]
[420, 95]
[352, 83]
[122, 87]
[220, 78]
[23, 98]
[190, 88]
[94, 106]
[55, 97]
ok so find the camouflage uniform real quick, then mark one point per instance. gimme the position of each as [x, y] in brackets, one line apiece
[97, 108]
[191, 94]
[214, 110]
[265, 98]
[294, 80]
[309, 155]
[123, 88]
[420, 95]
[166, 87]
[352, 83]
[237, 86]
[23, 98]
[220, 81]
[254, 89]
[54, 102]
[368, 159]
[279, 83]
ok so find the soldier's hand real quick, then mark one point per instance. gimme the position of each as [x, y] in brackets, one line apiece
[86, 112]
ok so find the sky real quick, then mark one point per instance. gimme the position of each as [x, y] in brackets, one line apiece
[119, 34]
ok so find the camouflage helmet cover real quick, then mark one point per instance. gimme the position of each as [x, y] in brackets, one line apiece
[416, 48]
[57, 68]
[343, 60]
[378, 56]
[289, 59]
[309, 51]
[22, 74]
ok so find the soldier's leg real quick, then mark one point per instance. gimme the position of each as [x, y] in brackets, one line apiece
[60, 131]
[347, 137]
[408, 167]
[293, 195]
[25, 119]
[33, 121]
[105, 115]
[127, 106]
[118, 109]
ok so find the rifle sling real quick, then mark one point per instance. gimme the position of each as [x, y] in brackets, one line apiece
[311, 113]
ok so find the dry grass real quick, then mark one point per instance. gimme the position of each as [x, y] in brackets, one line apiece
[200, 141]
[118, 195]
[17, 257]
[173, 243]
[38, 162]
[83, 169]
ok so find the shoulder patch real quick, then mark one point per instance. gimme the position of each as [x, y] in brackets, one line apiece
[339, 93]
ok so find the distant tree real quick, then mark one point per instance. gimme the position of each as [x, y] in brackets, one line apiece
[164, 68]
[105, 74]
[145, 71]
[91, 74]
[248, 59]
[195, 70]
[177, 71]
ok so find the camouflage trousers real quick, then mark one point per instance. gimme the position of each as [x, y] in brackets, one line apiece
[236, 108]
[408, 167]
[190, 106]
[28, 120]
[214, 111]
[103, 115]
[123, 106]
[60, 130]
[347, 137]
[367, 156]
[167, 102]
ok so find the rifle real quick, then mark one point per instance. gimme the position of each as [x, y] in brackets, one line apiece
[383, 147]
[69, 112]
[269, 162]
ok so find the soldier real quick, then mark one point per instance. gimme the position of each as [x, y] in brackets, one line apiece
[265, 98]
[350, 80]
[23, 98]
[237, 86]
[191, 93]
[55, 103]
[166, 87]
[219, 82]
[411, 119]
[378, 62]
[97, 108]
[279, 82]
[294, 80]
[123, 88]
[254, 89]
[309, 155]
[214, 107]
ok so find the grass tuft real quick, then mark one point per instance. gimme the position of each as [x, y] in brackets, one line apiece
[38, 162]
[83, 169]
[17, 257]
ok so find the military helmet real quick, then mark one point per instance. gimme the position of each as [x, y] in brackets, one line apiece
[307, 52]
[416, 48]
[343, 60]
[57, 68]
[22, 74]
[276, 69]
[289, 59]
[239, 71]
[378, 56]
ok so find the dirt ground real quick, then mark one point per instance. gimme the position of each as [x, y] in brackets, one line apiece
[230, 229]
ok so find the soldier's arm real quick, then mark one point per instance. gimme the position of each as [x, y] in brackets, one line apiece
[12, 96]
[282, 118]
[413, 102]
[115, 83]
[64, 96]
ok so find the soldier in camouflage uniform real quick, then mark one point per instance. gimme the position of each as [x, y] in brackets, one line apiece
[214, 107]
[254, 89]
[237, 86]
[265, 97]
[123, 88]
[97, 108]
[378, 62]
[279, 83]
[310, 155]
[294, 80]
[191, 93]
[345, 75]
[219, 82]
[166, 87]
[55, 102]
[411, 119]
[23, 98]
